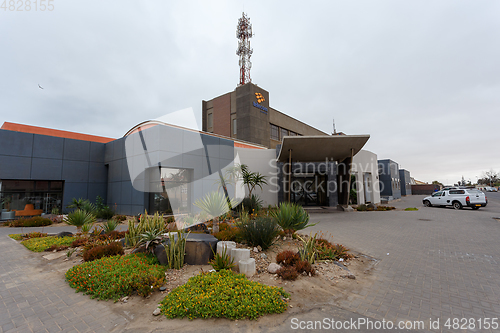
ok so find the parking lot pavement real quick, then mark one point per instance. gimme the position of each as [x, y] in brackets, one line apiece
[32, 300]
[434, 262]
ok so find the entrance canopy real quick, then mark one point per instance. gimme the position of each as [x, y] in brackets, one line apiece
[320, 148]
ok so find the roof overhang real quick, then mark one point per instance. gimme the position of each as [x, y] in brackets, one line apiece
[320, 148]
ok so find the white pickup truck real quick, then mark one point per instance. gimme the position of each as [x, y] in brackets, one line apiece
[458, 198]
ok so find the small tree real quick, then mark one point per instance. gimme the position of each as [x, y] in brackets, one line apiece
[215, 204]
[252, 179]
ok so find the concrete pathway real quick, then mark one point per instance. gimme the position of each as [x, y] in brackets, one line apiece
[435, 263]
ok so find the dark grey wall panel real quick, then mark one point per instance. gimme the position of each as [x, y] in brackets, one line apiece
[115, 171]
[119, 149]
[95, 189]
[138, 197]
[46, 168]
[98, 173]
[126, 193]
[114, 193]
[108, 151]
[75, 171]
[15, 167]
[193, 162]
[212, 145]
[73, 190]
[76, 150]
[137, 209]
[48, 146]
[16, 143]
[125, 171]
[97, 152]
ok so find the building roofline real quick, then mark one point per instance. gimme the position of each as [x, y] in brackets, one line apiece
[54, 132]
[150, 123]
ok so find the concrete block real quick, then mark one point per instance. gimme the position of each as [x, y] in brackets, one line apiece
[228, 245]
[240, 254]
[247, 266]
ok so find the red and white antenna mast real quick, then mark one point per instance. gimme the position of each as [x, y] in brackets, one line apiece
[244, 51]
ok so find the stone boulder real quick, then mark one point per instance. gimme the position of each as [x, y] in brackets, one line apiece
[64, 234]
[161, 254]
[273, 268]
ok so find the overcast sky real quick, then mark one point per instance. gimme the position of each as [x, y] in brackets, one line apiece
[421, 77]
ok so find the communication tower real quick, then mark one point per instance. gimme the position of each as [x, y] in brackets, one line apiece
[244, 51]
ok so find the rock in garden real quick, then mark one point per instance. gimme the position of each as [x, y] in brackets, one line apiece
[259, 248]
[163, 288]
[64, 234]
[161, 254]
[256, 250]
[273, 268]
[263, 256]
[157, 312]
[350, 276]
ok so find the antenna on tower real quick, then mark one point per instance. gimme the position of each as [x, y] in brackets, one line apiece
[244, 51]
[334, 130]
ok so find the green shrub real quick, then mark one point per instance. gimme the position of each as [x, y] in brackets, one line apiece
[115, 277]
[223, 294]
[307, 251]
[328, 251]
[146, 223]
[43, 243]
[291, 216]
[36, 221]
[109, 226]
[120, 218]
[251, 204]
[411, 209]
[261, 231]
[106, 213]
[222, 261]
[79, 217]
[94, 251]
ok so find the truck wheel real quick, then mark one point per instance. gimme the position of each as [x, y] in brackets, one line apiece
[427, 203]
[457, 205]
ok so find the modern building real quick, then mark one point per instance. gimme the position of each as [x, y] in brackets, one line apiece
[390, 184]
[246, 114]
[164, 168]
[365, 170]
[404, 176]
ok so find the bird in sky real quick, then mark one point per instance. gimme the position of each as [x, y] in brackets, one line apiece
[39, 86]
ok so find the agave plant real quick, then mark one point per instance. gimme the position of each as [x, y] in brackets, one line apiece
[151, 238]
[79, 218]
[214, 205]
[291, 216]
[87, 227]
[308, 250]
[109, 226]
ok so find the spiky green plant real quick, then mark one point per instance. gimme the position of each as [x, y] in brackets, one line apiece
[109, 226]
[307, 251]
[87, 227]
[78, 218]
[215, 204]
[291, 216]
[222, 260]
[146, 224]
[176, 249]
[151, 239]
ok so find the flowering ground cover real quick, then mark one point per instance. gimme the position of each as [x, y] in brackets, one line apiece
[223, 294]
[118, 276]
[40, 244]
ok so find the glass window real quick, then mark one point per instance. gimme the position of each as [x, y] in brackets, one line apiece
[171, 193]
[293, 133]
[42, 194]
[283, 133]
[274, 132]
[210, 120]
[437, 194]
[234, 126]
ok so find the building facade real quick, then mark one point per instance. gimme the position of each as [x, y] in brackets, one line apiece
[246, 114]
[404, 176]
[390, 184]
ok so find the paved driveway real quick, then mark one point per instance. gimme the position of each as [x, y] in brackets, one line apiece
[434, 262]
